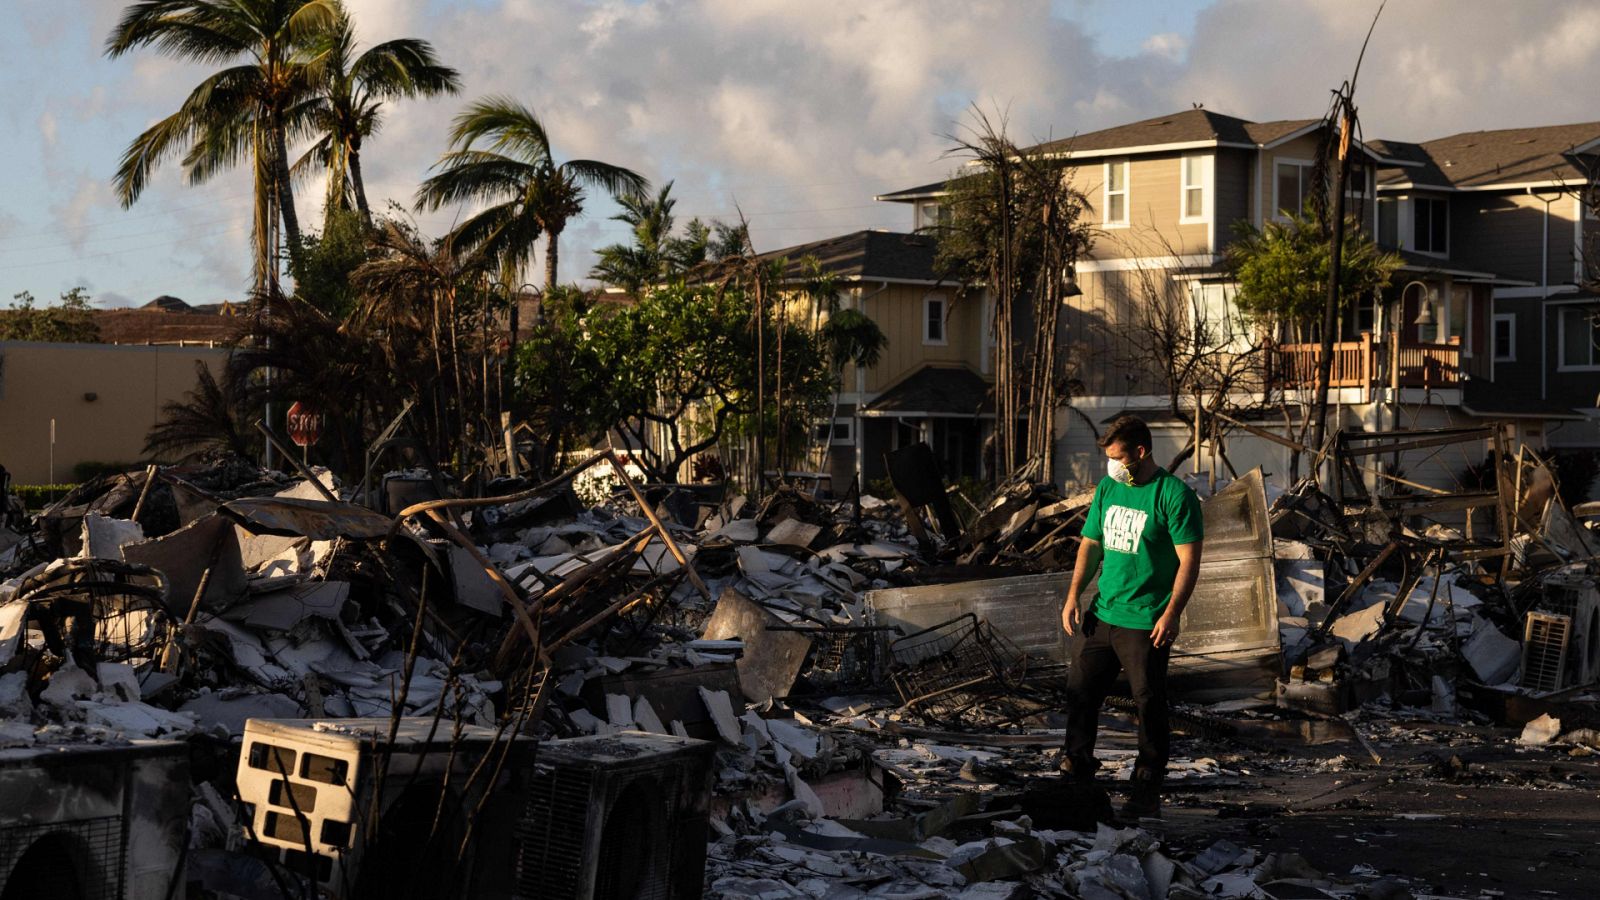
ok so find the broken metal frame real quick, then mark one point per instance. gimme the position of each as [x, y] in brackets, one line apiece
[1352, 445]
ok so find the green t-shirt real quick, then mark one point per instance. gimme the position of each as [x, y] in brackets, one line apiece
[1137, 527]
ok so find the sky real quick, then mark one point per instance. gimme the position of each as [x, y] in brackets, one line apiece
[795, 112]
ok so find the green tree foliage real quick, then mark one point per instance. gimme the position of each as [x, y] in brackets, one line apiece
[1282, 270]
[501, 155]
[70, 321]
[560, 375]
[244, 112]
[678, 364]
[327, 261]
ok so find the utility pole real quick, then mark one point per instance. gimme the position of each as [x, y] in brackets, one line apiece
[1344, 112]
[1330, 306]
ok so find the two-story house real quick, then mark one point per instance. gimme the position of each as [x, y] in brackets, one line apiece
[1509, 201]
[931, 380]
[1165, 196]
[1482, 223]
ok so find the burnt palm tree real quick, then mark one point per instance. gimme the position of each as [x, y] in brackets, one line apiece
[347, 104]
[210, 417]
[528, 192]
[242, 112]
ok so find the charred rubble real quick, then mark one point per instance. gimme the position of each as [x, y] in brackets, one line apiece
[299, 690]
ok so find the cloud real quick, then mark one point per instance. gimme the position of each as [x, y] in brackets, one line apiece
[48, 129]
[800, 113]
[1168, 45]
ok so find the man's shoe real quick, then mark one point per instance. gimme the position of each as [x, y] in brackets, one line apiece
[1144, 802]
[1077, 770]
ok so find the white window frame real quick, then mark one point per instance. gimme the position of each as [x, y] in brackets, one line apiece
[1106, 193]
[1277, 204]
[1204, 163]
[1236, 331]
[1561, 342]
[944, 322]
[1509, 352]
[1442, 254]
[921, 219]
[833, 426]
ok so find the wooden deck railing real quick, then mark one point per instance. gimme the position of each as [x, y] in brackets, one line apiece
[1362, 364]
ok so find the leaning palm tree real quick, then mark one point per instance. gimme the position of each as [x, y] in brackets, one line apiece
[529, 193]
[242, 112]
[347, 106]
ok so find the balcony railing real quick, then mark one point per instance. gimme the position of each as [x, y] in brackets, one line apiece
[1364, 363]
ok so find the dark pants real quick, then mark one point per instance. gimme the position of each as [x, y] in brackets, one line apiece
[1101, 652]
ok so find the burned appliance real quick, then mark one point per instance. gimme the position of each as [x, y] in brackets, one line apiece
[1561, 636]
[92, 822]
[316, 805]
[616, 817]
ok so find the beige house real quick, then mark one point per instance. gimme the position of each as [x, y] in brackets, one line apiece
[63, 404]
[932, 379]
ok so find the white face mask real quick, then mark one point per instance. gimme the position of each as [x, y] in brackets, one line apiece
[1118, 471]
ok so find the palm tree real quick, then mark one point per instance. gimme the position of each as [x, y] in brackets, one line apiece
[530, 194]
[244, 111]
[211, 417]
[655, 254]
[348, 104]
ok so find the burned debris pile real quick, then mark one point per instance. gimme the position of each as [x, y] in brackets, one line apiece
[846, 697]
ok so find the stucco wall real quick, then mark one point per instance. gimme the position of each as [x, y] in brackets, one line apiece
[129, 385]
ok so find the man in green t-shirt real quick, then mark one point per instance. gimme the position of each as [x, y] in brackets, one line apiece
[1143, 532]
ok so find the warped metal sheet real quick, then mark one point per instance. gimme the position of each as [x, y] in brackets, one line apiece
[1234, 607]
[315, 519]
[1025, 609]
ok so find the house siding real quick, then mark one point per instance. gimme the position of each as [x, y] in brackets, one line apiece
[1504, 233]
[1154, 210]
[1235, 185]
[898, 310]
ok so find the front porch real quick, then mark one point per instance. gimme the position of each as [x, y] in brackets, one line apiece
[1366, 365]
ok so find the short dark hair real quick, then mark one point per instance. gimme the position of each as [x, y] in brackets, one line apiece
[1128, 429]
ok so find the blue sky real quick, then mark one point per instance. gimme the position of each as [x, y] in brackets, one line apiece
[796, 113]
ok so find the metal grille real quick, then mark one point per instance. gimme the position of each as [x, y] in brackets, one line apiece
[82, 860]
[1544, 650]
[553, 832]
[943, 670]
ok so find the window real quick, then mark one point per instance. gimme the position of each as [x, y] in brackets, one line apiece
[1359, 187]
[931, 213]
[1430, 221]
[1580, 330]
[1291, 187]
[1196, 175]
[836, 432]
[1505, 337]
[1215, 319]
[933, 319]
[1116, 199]
[1388, 223]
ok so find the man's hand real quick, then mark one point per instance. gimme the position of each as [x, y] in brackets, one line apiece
[1070, 616]
[1166, 630]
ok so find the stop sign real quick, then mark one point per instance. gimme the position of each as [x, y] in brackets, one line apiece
[305, 424]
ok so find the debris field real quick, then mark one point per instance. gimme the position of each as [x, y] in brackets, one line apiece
[222, 681]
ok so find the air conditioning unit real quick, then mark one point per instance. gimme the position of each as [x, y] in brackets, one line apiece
[1545, 640]
[616, 817]
[309, 788]
[1577, 598]
[93, 822]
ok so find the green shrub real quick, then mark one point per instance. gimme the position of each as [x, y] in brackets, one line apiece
[35, 497]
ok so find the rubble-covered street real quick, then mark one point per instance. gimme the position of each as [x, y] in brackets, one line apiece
[847, 698]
